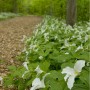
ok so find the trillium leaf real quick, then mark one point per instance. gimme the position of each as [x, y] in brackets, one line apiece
[80, 87]
[56, 75]
[84, 77]
[54, 85]
[45, 66]
[70, 64]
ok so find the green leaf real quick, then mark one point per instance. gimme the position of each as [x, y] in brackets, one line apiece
[21, 85]
[8, 81]
[56, 75]
[45, 66]
[12, 68]
[54, 85]
[67, 64]
[80, 87]
[84, 77]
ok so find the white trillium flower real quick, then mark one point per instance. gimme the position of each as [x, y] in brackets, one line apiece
[66, 53]
[40, 57]
[71, 73]
[79, 37]
[25, 65]
[38, 70]
[1, 81]
[32, 47]
[79, 47]
[66, 43]
[37, 83]
[86, 38]
[56, 37]
[46, 36]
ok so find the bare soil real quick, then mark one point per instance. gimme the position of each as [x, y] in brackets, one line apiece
[11, 35]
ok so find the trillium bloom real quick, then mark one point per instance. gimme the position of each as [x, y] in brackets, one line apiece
[1, 81]
[66, 53]
[71, 73]
[27, 70]
[86, 38]
[66, 43]
[79, 47]
[40, 57]
[25, 65]
[37, 83]
[32, 47]
[38, 70]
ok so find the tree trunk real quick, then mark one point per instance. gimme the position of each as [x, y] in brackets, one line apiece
[71, 12]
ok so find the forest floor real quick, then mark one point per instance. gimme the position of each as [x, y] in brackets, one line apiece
[11, 35]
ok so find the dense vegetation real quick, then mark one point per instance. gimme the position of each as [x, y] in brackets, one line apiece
[4, 15]
[42, 7]
[53, 47]
[54, 50]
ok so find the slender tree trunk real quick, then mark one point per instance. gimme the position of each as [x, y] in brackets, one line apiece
[71, 12]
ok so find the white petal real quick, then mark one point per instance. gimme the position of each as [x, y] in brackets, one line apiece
[40, 57]
[79, 47]
[68, 70]
[66, 43]
[79, 65]
[70, 82]
[42, 81]
[38, 70]
[25, 65]
[32, 88]
[66, 77]
[36, 82]
[86, 38]
[66, 53]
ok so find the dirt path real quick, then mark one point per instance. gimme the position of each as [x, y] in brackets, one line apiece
[11, 34]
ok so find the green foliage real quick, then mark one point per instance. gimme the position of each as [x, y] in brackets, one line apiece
[83, 9]
[6, 5]
[53, 47]
[45, 7]
[49, 7]
[4, 15]
[58, 8]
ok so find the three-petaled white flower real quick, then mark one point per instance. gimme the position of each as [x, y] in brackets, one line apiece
[1, 81]
[37, 83]
[71, 73]
[26, 67]
[38, 70]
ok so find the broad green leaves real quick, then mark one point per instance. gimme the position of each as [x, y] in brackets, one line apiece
[53, 47]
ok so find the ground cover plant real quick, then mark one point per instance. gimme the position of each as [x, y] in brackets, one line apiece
[55, 55]
[5, 15]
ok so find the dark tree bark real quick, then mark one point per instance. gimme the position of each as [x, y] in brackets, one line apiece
[71, 12]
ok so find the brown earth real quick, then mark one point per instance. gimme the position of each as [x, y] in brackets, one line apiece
[11, 35]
